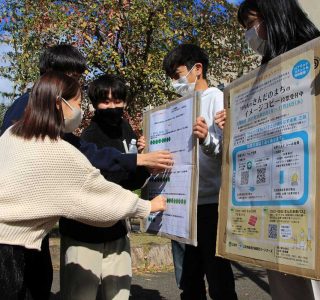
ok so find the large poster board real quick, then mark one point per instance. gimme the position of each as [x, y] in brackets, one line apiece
[268, 208]
[169, 127]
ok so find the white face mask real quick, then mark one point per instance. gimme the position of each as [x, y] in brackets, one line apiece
[255, 42]
[73, 122]
[182, 86]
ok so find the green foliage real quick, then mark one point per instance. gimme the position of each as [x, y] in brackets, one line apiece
[126, 37]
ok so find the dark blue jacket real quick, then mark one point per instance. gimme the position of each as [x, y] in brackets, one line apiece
[14, 112]
[106, 159]
[106, 136]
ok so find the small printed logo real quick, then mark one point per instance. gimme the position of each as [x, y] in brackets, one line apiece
[301, 69]
[252, 220]
[252, 189]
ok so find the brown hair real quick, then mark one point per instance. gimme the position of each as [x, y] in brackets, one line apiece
[42, 117]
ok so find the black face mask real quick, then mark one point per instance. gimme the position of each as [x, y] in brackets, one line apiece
[109, 116]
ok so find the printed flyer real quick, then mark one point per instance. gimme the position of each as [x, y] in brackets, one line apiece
[269, 201]
[169, 127]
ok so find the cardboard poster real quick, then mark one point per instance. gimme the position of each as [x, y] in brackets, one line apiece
[268, 208]
[169, 127]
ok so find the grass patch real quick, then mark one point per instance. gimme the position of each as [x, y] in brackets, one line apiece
[146, 239]
[152, 269]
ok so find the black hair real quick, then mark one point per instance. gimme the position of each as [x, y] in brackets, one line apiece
[99, 89]
[63, 58]
[286, 24]
[185, 55]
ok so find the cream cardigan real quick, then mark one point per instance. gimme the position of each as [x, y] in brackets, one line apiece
[41, 181]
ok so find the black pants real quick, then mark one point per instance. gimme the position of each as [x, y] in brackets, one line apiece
[200, 262]
[23, 270]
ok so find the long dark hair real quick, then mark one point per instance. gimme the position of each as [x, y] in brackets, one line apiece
[43, 117]
[286, 24]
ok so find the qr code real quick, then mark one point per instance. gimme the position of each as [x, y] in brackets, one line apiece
[244, 177]
[273, 231]
[261, 175]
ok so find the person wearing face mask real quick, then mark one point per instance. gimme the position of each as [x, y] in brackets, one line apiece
[274, 27]
[72, 119]
[103, 254]
[67, 59]
[187, 66]
[182, 86]
[255, 42]
[66, 183]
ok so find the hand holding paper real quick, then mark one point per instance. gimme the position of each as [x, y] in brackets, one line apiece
[141, 143]
[160, 160]
[200, 129]
[220, 118]
[158, 203]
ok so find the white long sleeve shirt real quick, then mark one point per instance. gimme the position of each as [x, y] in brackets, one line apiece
[210, 150]
[41, 181]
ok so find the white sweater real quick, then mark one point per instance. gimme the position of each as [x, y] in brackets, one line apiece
[210, 150]
[41, 181]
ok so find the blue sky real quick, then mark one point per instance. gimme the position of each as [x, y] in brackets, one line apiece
[5, 85]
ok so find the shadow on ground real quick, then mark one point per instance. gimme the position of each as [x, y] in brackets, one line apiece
[255, 275]
[140, 293]
[137, 293]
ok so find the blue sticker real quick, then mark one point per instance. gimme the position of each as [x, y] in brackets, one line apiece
[301, 69]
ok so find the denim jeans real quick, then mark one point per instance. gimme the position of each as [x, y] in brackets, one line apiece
[178, 250]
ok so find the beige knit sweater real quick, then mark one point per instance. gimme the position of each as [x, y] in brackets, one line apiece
[41, 181]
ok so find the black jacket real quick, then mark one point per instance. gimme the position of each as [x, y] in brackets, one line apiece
[102, 137]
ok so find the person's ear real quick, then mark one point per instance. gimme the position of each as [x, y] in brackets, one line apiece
[58, 103]
[198, 69]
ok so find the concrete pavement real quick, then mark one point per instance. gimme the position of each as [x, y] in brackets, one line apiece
[251, 284]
